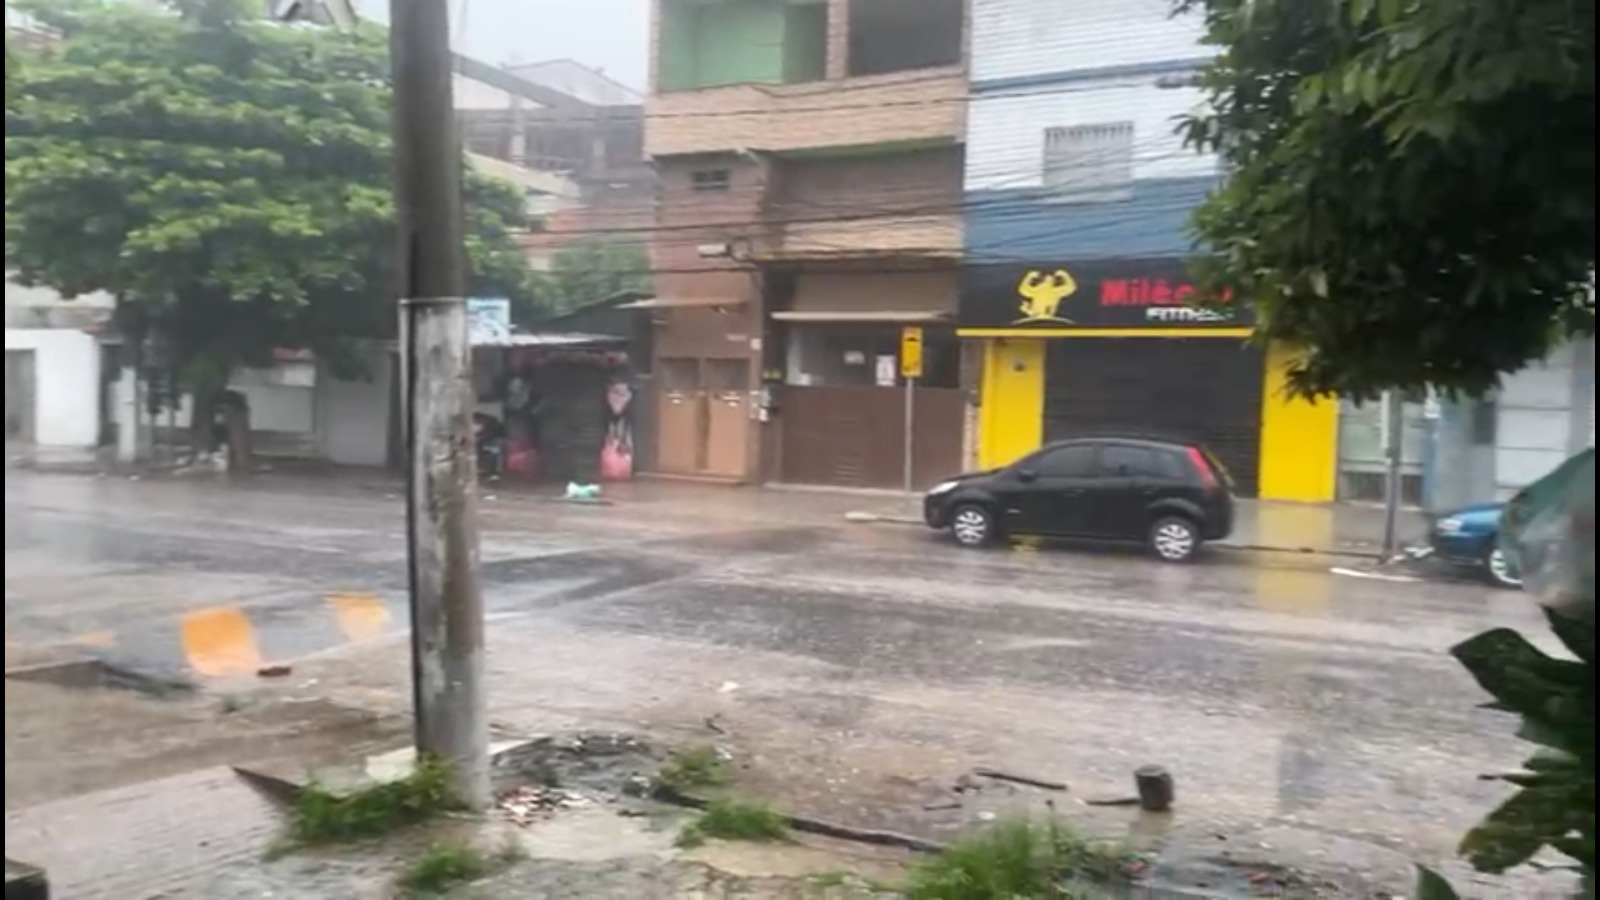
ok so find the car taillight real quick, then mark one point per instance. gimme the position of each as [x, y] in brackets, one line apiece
[1208, 477]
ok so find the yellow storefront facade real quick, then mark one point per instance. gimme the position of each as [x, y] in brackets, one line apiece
[1117, 346]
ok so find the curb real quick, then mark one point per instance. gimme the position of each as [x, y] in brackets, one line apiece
[872, 518]
[25, 882]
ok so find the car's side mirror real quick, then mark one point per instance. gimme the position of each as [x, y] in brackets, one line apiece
[1027, 475]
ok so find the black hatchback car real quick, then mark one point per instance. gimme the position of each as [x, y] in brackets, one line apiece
[1170, 496]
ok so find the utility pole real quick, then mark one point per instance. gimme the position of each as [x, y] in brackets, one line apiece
[447, 647]
[1393, 451]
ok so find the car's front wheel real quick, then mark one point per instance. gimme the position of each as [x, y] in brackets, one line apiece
[1502, 571]
[972, 525]
[1174, 539]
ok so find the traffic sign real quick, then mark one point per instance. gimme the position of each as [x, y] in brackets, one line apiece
[911, 352]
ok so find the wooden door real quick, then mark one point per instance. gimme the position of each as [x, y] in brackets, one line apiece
[680, 418]
[727, 441]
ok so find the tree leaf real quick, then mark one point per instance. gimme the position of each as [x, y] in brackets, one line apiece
[1522, 677]
[1433, 886]
[1575, 633]
[1518, 829]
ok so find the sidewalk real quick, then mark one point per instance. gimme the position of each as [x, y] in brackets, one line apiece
[1260, 525]
[1293, 527]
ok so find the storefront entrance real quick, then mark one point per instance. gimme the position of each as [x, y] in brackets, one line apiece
[1125, 346]
[702, 418]
[1202, 389]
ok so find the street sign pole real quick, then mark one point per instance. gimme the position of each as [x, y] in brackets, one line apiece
[910, 371]
[911, 421]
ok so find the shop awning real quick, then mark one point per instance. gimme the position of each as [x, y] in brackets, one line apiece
[683, 302]
[892, 316]
[550, 340]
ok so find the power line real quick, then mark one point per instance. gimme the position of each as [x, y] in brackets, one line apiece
[854, 212]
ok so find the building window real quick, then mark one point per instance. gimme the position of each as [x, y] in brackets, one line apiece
[1089, 163]
[710, 179]
[897, 36]
[838, 355]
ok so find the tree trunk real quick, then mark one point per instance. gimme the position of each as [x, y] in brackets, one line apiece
[203, 422]
[236, 422]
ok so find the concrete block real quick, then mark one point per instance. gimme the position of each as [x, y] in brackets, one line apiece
[25, 882]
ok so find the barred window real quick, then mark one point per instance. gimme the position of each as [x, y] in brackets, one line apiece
[1089, 163]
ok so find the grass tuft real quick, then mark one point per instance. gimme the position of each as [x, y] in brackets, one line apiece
[734, 820]
[1020, 858]
[445, 866]
[320, 816]
[694, 769]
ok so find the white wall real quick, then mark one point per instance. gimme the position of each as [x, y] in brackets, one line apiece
[1542, 417]
[1068, 54]
[67, 384]
[354, 415]
[1005, 133]
[1016, 38]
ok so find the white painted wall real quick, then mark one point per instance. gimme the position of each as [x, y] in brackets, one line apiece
[1016, 38]
[67, 381]
[1062, 46]
[1005, 132]
[1543, 414]
[354, 415]
[283, 409]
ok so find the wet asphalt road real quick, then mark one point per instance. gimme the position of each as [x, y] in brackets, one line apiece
[1281, 694]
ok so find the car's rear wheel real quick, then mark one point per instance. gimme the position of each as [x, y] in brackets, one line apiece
[1501, 570]
[1174, 539]
[972, 525]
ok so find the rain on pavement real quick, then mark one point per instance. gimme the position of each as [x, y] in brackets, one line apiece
[857, 665]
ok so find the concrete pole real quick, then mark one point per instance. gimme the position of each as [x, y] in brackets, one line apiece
[447, 647]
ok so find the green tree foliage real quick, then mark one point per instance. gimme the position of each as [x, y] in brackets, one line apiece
[11, 74]
[226, 177]
[1410, 190]
[1554, 806]
[591, 270]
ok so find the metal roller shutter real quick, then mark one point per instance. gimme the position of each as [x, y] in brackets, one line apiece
[1203, 389]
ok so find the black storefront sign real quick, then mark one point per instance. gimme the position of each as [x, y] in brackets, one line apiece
[1105, 294]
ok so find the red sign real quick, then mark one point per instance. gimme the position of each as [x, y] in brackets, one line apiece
[1142, 292]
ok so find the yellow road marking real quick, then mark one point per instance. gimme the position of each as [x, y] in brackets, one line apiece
[220, 641]
[361, 616]
[98, 640]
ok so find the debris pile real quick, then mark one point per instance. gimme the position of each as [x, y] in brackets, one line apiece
[528, 804]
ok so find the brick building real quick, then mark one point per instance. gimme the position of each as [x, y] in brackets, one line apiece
[809, 157]
[578, 135]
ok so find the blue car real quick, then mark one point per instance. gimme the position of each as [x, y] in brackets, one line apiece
[1470, 537]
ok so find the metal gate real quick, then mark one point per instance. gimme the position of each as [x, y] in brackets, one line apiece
[20, 396]
[1202, 389]
[855, 436]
